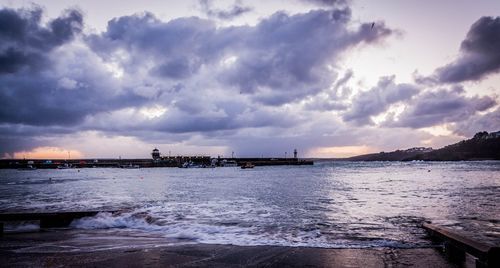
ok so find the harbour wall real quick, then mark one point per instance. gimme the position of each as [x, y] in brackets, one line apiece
[173, 161]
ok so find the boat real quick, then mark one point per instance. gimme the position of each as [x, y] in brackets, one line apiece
[28, 167]
[229, 163]
[130, 166]
[247, 165]
[191, 164]
[65, 166]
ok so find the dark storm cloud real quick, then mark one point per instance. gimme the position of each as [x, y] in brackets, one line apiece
[228, 78]
[32, 97]
[237, 9]
[378, 99]
[19, 137]
[280, 60]
[442, 106]
[286, 58]
[480, 53]
[24, 42]
[177, 48]
[40, 100]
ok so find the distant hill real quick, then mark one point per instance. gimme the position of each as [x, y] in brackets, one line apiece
[399, 155]
[483, 146]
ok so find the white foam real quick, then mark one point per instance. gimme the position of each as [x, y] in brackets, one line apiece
[189, 231]
[106, 220]
[21, 227]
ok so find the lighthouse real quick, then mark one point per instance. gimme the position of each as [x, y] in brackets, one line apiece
[295, 153]
[156, 154]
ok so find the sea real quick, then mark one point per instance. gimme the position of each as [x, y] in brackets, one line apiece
[326, 205]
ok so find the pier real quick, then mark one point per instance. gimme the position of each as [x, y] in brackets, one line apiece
[174, 161]
[456, 246]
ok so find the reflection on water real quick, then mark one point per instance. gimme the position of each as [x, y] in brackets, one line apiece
[339, 204]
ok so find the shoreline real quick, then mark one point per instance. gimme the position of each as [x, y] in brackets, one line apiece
[48, 249]
[215, 255]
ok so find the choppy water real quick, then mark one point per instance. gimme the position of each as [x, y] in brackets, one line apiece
[334, 205]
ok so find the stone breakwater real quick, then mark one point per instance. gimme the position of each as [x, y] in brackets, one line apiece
[174, 161]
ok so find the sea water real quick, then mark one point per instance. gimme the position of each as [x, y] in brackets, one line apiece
[329, 204]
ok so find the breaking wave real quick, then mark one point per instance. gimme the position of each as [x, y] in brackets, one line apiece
[229, 232]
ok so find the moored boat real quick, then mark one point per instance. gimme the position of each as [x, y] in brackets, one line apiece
[65, 166]
[248, 165]
[130, 166]
[229, 163]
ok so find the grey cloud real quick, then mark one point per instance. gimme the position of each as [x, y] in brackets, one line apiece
[342, 81]
[11, 144]
[485, 122]
[289, 55]
[326, 105]
[480, 53]
[441, 106]
[38, 100]
[24, 42]
[335, 99]
[328, 3]
[182, 120]
[177, 48]
[65, 27]
[321, 133]
[33, 97]
[177, 68]
[187, 123]
[378, 99]
[237, 9]
[20, 137]
[280, 60]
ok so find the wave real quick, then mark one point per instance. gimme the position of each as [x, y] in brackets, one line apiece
[228, 232]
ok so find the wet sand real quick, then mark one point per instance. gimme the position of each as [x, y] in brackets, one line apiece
[12, 254]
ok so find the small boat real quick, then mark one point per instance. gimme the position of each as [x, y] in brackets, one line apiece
[229, 163]
[65, 166]
[191, 164]
[28, 167]
[130, 166]
[247, 165]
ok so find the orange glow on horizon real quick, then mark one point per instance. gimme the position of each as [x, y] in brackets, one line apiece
[49, 153]
[342, 151]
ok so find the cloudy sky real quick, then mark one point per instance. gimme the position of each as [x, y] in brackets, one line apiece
[331, 78]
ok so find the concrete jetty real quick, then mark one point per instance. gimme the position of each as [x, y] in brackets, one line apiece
[457, 245]
[47, 220]
[206, 255]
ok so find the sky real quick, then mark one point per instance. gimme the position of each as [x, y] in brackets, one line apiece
[330, 78]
